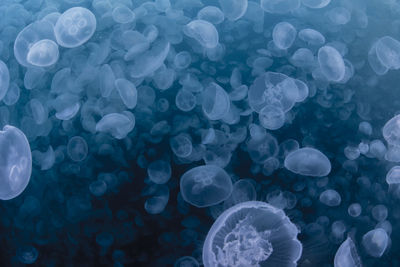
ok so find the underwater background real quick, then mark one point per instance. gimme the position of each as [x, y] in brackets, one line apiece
[199, 133]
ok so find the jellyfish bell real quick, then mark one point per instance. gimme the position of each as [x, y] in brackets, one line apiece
[346, 255]
[16, 161]
[252, 233]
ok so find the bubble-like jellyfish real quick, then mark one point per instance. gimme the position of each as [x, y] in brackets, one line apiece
[30, 42]
[308, 161]
[211, 14]
[315, 3]
[186, 261]
[77, 148]
[216, 102]
[16, 160]
[375, 242]
[233, 10]
[205, 186]
[391, 131]
[27, 254]
[284, 35]
[331, 63]
[75, 27]
[43, 53]
[252, 233]
[202, 31]
[4, 79]
[346, 255]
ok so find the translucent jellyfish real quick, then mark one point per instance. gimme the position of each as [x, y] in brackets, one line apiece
[98, 188]
[284, 35]
[279, 6]
[77, 148]
[379, 213]
[331, 63]
[388, 52]
[354, 210]
[211, 14]
[330, 198]
[308, 161]
[339, 15]
[4, 79]
[375, 242]
[205, 186]
[315, 3]
[75, 27]
[31, 35]
[303, 58]
[252, 233]
[182, 60]
[127, 91]
[43, 53]
[311, 37]
[107, 80]
[146, 63]
[27, 254]
[159, 171]
[202, 31]
[375, 63]
[186, 261]
[122, 14]
[391, 131]
[17, 162]
[233, 10]
[216, 103]
[185, 100]
[272, 117]
[116, 124]
[181, 145]
[393, 175]
[346, 255]
[157, 203]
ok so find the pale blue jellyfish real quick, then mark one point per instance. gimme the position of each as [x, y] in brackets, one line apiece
[331, 63]
[205, 186]
[203, 32]
[375, 242]
[75, 27]
[27, 254]
[346, 255]
[308, 161]
[4, 79]
[16, 160]
[43, 53]
[77, 148]
[252, 233]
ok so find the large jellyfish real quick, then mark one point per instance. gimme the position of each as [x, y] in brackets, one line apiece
[252, 233]
[75, 27]
[346, 255]
[16, 161]
[308, 161]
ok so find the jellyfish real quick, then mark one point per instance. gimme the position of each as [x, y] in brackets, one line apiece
[205, 186]
[331, 63]
[216, 103]
[284, 35]
[315, 3]
[43, 53]
[77, 148]
[279, 6]
[211, 14]
[233, 10]
[4, 79]
[252, 233]
[127, 91]
[375, 242]
[75, 27]
[308, 161]
[391, 131]
[203, 32]
[346, 255]
[186, 261]
[16, 160]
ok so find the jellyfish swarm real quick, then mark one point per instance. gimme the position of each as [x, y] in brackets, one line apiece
[252, 233]
[16, 160]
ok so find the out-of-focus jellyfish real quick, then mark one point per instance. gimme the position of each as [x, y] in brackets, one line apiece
[375, 242]
[311, 37]
[17, 162]
[284, 35]
[388, 52]
[354, 210]
[4, 79]
[202, 31]
[308, 161]
[315, 3]
[159, 171]
[252, 233]
[77, 148]
[279, 6]
[43, 53]
[159, 200]
[204, 186]
[391, 131]
[75, 27]
[127, 91]
[331, 63]
[330, 198]
[393, 176]
[211, 14]
[346, 255]
[216, 102]
[27, 254]
[181, 145]
[233, 10]
[117, 124]
[98, 188]
[339, 15]
[123, 14]
[186, 261]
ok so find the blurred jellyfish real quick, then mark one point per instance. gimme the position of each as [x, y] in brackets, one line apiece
[205, 186]
[27, 254]
[393, 175]
[202, 31]
[252, 233]
[17, 162]
[346, 255]
[75, 27]
[391, 131]
[159, 171]
[186, 261]
[330, 198]
[331, 63]
[375, 242]
[77, 148]
[308, 162]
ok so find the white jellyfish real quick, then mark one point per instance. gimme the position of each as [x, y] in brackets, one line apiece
[308, 161]
[43, 53]
[252, 233]
[330, 198]
[211, 14]
[284, 35]
[216, 103]
[116, 124]
[204, 186]
[127, 91]
[77, 148]
[4, 79]
[202, 31]
[233, 10]
[17, 162]
[375, 242]
[346, 255]
[331, 63]
[75, 27]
